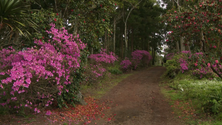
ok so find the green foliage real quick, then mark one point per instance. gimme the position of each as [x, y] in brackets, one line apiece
[209, 93]
[212, 123]
[197, 25]
[205, 97]
[14, 22]
[114, 70]
[172, 67]
[206, 93]
[69, 94]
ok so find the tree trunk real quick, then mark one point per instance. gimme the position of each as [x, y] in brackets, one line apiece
[125, 32]
[114, 35]
[75, 27]
[202, 40]
[182, 47]
[105, 41]
[91, 51]
[126, 39]
[129, 38]
[148, 46]
[132, 41]
[177, 46]
[122, 46]
[153, 55]
[108, 42]
[187, 47]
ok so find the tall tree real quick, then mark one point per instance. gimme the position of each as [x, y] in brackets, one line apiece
[132, 7]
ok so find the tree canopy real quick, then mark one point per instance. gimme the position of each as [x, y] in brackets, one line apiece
[99, 23]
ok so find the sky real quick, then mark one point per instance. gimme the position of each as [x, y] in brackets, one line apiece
[161, 3]
[165, 5]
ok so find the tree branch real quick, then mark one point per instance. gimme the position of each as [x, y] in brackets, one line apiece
[202, 40]
[56, 6]
[177, 5]
[132, 10]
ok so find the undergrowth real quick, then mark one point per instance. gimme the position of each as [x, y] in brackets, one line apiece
[195, 101]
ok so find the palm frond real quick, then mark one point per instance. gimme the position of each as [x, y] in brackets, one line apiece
[13, 14]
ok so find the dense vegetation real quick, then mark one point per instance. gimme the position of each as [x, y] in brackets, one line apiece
[194, 55]
[49, 49]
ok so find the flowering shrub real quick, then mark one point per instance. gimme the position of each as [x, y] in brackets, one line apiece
[33, 78]
[204, 72]
[183, 65]
[178, 62]
[169, 56]
[126, 64]
[195, 62]
[94, 72]
[103, 57]
[98, 65]
[140, 57]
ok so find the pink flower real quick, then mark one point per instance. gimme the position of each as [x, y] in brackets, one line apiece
[195, 64]
[126, 63]
[33, 62]
[208, 64]
[215, 47]
[48, 112]
[216, 61]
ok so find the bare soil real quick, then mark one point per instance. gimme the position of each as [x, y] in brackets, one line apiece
[137, 100]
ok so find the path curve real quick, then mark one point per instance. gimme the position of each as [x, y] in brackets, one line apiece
[137, 100]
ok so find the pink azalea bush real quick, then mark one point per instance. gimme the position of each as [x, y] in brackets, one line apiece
[169, 56]
[33, 78]
[126, 64]
[200, 68]
[183, 65]
[204, 72]
[103, 57]
[196, 64]
[140, 57]
[98, 65]
[94, 72]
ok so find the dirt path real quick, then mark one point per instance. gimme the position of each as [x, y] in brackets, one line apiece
[137, 100]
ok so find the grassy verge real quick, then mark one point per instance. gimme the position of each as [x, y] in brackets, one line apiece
[99, 89]
[196, 102]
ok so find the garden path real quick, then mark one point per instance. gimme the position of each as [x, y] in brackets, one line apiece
[137, 100]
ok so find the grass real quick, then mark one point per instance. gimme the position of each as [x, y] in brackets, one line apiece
[181, 108]
[187, 104]
[106, 84]
[212, 123]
